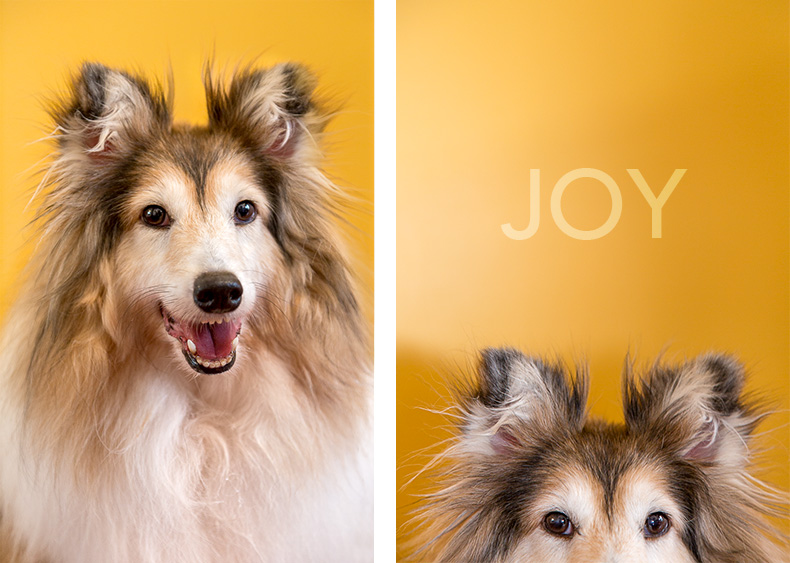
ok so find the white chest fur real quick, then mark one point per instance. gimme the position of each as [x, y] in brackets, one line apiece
[185, 481]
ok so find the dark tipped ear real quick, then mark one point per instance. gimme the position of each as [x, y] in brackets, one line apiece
[272, 109]
[107, 111]
[697, 407]
[728, 379]
[518, 398]
[496, 365]
[89, 91]
[530, 387]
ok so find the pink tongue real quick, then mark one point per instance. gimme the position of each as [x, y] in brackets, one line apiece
[214, 341]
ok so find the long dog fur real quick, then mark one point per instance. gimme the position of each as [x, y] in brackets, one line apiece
[526, 451]
[112, 451]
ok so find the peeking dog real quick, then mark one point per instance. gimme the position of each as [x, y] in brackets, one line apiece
[531, 479]
[186, 373]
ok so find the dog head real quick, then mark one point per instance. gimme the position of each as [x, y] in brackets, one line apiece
[534, 480]
[188, 235]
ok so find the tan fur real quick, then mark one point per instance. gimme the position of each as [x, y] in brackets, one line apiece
[100, 406]
[526, 449]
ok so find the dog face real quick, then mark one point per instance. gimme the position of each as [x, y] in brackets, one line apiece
[532, 479]
[212, 252]
[198, 232]
[598, 504]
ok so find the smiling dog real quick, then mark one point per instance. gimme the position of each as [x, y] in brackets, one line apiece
[186, 373]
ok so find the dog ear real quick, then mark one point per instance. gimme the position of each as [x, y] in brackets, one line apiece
[518, 399]
[696, 409]
[272, 109]
[107, 112]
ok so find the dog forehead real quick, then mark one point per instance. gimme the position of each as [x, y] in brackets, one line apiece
[609, 527]
[200, 158]
[601, 454]
[183, 188]
[194, 151]
[611, 480]
[620, 498]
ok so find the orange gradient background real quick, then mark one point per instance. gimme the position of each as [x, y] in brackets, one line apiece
[488, 91]
[42, 42]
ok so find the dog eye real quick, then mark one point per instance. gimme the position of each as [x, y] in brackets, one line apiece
[155, 216]
[656, 525]
[559, 524]
[245, 212]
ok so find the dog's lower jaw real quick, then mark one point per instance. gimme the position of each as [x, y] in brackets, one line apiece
[210, 367]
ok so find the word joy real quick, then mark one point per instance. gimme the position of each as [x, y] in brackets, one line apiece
[656, 203]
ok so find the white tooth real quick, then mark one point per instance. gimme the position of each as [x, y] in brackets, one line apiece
[235, 342]
[192, 347]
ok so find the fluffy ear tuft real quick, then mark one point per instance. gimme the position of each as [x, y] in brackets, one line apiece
[272, 109]
[107, 111]
[518, 398]
[697, 408]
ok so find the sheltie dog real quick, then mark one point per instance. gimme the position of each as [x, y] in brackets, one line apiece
[531, 479]
[186, 373]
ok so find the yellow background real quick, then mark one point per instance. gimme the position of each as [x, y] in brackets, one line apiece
[42, 42]
[487, 91]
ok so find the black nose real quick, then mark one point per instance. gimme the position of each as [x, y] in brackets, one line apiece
[217, 292]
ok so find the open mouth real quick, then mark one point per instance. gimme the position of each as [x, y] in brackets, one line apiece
[208, 347]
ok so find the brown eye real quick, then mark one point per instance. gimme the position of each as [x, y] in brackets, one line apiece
[656, 525]
[559, 524]
[245, 212]
[155, 216]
